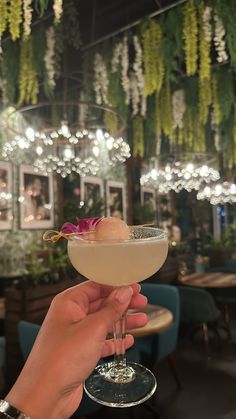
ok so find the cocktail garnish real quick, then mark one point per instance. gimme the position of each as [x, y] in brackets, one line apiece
[84, 226]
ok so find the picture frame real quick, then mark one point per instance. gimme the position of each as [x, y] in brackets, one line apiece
[91, 190]
[36, 199]
[148, 196]
[116, 199]
[6, 201]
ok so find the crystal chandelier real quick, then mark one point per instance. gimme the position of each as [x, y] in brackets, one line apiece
[178, 175]
[219, 193]
[86, 152]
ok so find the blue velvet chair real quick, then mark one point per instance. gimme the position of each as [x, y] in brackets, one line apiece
[198, 309]
[161, 345]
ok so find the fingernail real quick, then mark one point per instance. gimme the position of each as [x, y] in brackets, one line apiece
[139, 287]
[124, 294]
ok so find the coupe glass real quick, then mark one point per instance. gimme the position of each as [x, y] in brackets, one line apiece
[120, 262]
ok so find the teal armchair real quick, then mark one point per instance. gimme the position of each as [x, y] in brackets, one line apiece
[161, 345]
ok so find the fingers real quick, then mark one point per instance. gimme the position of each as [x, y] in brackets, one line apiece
[136, 320]
[137, 301]
[109, 347]
[89, 291]
[115, 305]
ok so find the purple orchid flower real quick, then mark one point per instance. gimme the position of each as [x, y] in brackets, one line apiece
[83, 225]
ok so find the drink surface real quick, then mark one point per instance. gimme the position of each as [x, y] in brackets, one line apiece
[117, 263]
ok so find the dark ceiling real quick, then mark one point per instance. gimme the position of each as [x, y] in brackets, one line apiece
[99, 18]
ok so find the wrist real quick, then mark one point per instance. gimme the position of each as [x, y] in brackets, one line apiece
[10, 412]
[34, 401]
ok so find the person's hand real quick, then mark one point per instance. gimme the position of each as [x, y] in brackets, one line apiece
[71, 341]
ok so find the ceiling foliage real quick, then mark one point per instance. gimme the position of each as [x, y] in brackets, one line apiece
[170, 77]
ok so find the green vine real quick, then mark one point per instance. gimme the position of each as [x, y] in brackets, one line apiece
[204, 46]
[153, 63]
[190, 34]
[138, 136]
[110, 122]
[10, 70]
[215, 100]
[28, 79]
[3, 15]
[15, 18]
[205, 99]
[164, 107]
[225, 91]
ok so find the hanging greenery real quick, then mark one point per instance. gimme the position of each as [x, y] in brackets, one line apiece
[165, 110]
[10, 71]
[205, 37]
[150, 128]
[28, 79]
[205, 99]
[138, 136]
[215, 101]
[225, 91]
[226, 11]
[57, 7]
[110, 122]
[28, 12]
[153, 63]
[15, 18]
[190, 35]
[3, 15]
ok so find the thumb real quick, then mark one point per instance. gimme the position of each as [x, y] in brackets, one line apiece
[116, 304]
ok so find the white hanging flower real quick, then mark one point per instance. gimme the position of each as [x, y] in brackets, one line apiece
[124, 70]
[178, 108]
[219, 40]
[139, 77]
[207, 23]
[49, 57]
[101, 81]
[27, 9]
[57, 7]
[116, 58]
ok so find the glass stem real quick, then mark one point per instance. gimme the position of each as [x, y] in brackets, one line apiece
[119, 342]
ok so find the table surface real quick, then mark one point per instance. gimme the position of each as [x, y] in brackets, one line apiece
[160, 318]
[209, 280]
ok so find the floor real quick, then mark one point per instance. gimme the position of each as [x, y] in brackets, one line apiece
[208, 386]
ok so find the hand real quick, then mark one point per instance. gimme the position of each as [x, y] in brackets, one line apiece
[70, 343]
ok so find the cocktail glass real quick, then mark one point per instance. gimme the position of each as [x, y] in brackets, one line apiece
[120, 262]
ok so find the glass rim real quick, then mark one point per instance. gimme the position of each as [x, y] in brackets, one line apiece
[162, 235]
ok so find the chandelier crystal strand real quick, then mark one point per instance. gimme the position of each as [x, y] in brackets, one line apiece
[62, 151]
[179, 175]
[219, 193]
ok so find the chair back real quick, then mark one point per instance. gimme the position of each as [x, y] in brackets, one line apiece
[197, 305]
[27, 333]
[163, 343]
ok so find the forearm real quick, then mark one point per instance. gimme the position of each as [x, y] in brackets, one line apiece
[35, 398]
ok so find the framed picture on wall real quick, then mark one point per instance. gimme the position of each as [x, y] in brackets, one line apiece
[116, 199]
[36, 199]
[148, 197]
[91, 191]
[6, 212]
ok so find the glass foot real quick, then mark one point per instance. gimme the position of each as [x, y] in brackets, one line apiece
[140, 386]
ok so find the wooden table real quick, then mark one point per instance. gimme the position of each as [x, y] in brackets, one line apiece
[2, 308]
[209, 280]
[160, 318]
